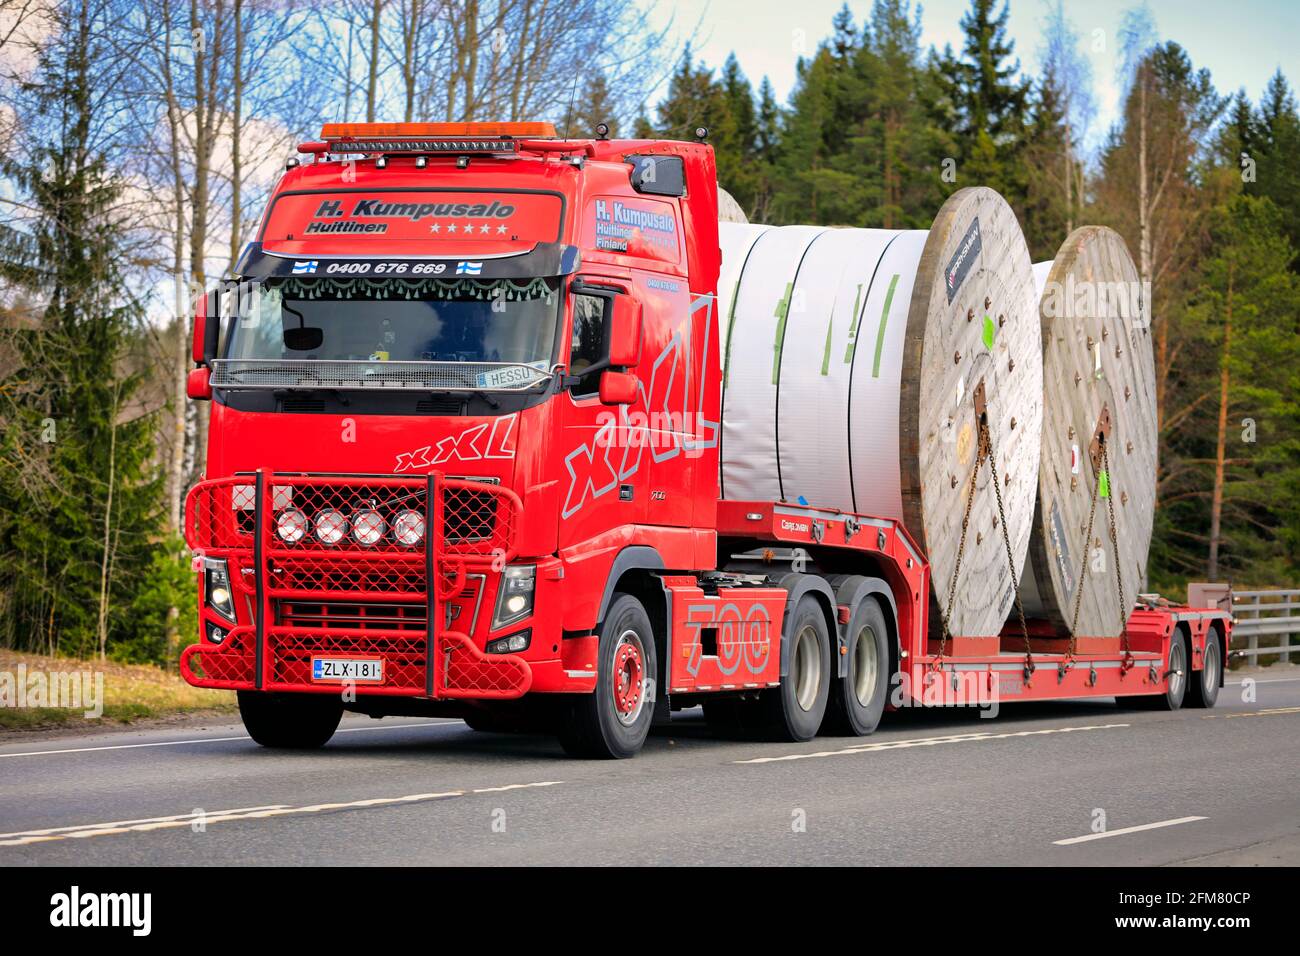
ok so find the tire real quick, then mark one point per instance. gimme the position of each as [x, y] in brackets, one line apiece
[857, 700]
[290, 721]
[612, 723]
[1203, 687]
[793, 710]
[1172, 698]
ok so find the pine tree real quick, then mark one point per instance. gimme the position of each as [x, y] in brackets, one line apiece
[1274, 145]
[899, 139]
[76, 549]
[734, 138]
[1237, 508]
[984, 95]
[1046, 210]
[768, 124]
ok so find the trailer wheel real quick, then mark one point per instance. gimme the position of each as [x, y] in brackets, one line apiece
[794, 710]
[290, 721]
[613, 721]
[1179, 672]
[1203, 686]
[858, 699]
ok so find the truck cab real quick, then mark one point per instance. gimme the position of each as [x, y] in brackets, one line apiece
[469, 354]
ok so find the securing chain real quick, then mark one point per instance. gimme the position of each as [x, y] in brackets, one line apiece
[1011, 561]
[1083, 563]
[961, 546]
[1119, 571]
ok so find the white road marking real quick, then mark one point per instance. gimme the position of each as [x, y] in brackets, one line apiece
[206, 740]
[931, 742]
[123, 823]
[1138, 829]
[1267, 680]
[252, 813]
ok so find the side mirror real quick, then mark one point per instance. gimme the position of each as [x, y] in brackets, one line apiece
[625, 332]
[207, 327]
[617, 388]
[198, 385]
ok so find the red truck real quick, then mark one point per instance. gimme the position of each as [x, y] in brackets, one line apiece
[463, 461]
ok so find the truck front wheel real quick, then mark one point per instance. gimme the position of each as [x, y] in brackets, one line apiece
[613, 721]
[290, 721]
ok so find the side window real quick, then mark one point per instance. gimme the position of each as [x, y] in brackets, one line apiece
[588, 346]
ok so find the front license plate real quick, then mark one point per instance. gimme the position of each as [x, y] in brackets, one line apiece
[363, 670]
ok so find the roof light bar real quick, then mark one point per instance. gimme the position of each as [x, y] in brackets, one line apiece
[422, 146]
[430, 137]
[498, 131]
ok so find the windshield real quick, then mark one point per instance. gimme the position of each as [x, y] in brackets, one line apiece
[396, 320]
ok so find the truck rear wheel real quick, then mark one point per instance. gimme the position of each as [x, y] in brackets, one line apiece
[858, 698]
[794, 709]
[290, 721]
[1203, 685]
[613, 721]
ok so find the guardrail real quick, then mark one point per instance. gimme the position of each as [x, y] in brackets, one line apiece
[1268, 614]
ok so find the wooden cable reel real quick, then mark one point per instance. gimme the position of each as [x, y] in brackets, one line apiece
[1099, 385]
[852, 361]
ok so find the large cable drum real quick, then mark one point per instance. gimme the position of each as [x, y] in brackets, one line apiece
[1099, 378]
[853, 364]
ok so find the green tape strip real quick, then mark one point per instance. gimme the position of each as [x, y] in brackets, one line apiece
[1104, 485]
[884, 320]
[782, 313]
[731, 322]
[853, 328]
[826, 354]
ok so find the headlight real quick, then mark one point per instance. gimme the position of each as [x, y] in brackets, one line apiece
[515, 596]
[368, 527]
[408, 528]
[331, 526]
[216, 588]
[291, 525]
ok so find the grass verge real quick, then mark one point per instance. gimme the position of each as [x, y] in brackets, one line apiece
[130, 692]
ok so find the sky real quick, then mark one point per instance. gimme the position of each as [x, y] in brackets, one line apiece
[1241, 42]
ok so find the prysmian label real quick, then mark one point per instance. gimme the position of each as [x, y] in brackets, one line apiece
[1061, 547]
[962, 259]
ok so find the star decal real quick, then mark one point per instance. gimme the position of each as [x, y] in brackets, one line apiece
[435, 227]
[451, 227]
[483, 228]
[501, 230]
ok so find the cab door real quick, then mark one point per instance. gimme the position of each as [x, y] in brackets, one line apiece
[601, 482]
[665, 408]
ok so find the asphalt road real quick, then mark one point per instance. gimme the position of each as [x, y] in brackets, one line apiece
[932, 788]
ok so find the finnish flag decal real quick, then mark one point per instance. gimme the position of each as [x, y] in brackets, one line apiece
[469, 268]
[305, 268]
